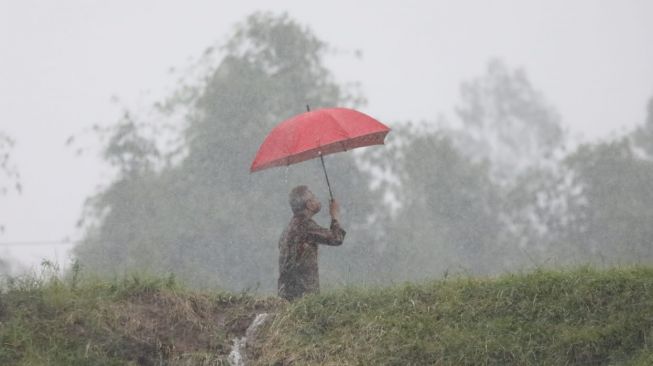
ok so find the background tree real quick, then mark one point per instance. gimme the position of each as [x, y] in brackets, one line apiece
[507, 122]
[9, 176]
[481, 198]
[205, 217]
[470, 197]
[613, 220]
[446, 220]
[599, 206]
[9, 180]
[643, 135]
[498, 193]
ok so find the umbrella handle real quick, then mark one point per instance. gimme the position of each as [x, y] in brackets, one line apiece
[326, 176]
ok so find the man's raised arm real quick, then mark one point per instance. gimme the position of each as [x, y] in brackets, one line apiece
[332, 236]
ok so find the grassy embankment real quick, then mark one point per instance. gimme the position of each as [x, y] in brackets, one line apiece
[134, 321]
[580, 317]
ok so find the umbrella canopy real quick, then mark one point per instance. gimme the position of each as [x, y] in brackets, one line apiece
[318, 133]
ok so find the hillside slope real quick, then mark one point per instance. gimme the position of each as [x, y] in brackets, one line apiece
[135, 321]
[580, 317]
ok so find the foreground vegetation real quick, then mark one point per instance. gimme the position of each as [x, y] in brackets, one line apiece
[133, 321]
[584, 317]
[580, 317]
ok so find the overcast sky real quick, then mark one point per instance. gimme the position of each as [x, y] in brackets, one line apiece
[61, 62]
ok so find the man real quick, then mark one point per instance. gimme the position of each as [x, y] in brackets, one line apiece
[298, 270]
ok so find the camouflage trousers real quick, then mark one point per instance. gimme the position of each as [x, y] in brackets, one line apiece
[293, 286]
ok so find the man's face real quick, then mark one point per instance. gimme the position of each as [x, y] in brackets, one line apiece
[312, 203]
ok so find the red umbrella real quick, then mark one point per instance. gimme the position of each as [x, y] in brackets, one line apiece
[318, 133]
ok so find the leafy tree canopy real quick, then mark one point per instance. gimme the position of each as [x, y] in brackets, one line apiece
[205, 217]
[506, 121]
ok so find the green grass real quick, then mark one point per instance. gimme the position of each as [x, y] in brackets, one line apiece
[133, 321]
[579, 317]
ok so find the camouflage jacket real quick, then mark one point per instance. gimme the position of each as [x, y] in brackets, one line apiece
[298, 247]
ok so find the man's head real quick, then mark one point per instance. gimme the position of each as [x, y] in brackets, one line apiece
[303, 201]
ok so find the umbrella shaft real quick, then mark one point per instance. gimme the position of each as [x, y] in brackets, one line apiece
[326, 176]
[308, 109]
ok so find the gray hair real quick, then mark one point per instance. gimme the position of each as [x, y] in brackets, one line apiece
[297, 199]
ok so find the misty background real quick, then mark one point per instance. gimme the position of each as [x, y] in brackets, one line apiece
[522, 136]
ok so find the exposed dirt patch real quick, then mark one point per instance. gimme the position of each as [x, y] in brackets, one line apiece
[175, 327]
